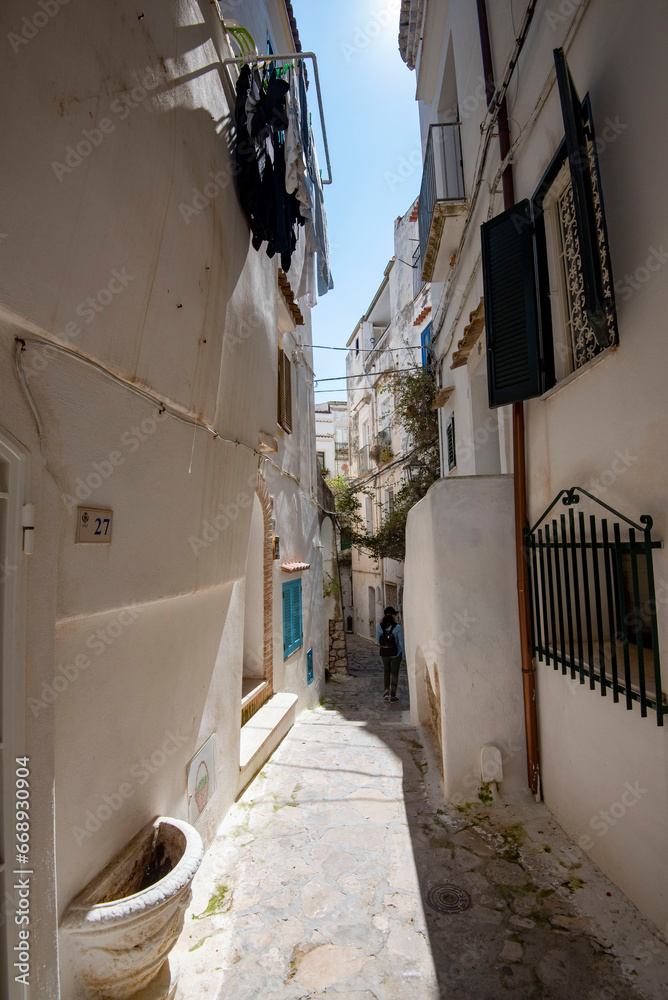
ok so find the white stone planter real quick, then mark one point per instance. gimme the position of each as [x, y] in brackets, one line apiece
[128, 918]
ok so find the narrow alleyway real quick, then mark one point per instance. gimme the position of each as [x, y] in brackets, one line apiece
[339, 873]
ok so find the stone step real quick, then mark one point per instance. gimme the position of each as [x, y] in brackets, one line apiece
[262, 734]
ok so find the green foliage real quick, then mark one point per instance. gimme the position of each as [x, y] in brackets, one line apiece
[414, 393]
[220, 901]
[330, 586]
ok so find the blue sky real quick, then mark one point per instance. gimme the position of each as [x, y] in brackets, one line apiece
[373, 134]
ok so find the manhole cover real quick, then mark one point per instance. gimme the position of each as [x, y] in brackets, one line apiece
[447, 898]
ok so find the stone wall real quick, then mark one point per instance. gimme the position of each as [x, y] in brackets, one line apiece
[338, 656]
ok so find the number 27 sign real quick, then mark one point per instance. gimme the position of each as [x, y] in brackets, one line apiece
[94, 524]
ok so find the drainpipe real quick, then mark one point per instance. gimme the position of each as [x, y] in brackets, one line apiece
[519, 451]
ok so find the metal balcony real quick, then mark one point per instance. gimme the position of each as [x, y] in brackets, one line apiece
[442, 193]
[363, 463]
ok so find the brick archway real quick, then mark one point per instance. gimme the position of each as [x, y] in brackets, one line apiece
[267, 505]
[266, 691]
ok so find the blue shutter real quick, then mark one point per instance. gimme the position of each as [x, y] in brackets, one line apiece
[292, 617]
[297, 614]
[309, 667]
[287, 619]
[425, 340]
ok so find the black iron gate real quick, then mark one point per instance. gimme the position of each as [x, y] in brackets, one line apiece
[594, 602]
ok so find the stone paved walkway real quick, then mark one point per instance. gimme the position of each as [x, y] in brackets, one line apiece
[324, 878]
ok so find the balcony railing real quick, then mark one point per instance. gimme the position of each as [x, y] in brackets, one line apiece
[363, 463]
[341, 451]
[442, 190]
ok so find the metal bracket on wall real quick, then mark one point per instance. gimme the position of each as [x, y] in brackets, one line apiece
[288, 57]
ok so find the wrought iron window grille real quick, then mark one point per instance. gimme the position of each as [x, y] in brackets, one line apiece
[593, 601]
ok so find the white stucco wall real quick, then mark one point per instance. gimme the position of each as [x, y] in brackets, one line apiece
[460, 621]
[148, 632]
[605, 427]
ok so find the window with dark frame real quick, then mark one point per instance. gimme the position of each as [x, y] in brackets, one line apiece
[284, 391]
[549, 301]
[425, 341]
[450, 442]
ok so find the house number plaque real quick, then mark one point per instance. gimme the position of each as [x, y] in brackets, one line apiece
[94, 524]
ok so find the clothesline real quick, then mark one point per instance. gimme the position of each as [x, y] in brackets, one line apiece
[278, 178]
[288, 56]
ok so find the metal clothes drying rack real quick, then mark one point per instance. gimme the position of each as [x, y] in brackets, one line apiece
[247, 57]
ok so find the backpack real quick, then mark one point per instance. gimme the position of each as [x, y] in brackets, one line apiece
[388, 643]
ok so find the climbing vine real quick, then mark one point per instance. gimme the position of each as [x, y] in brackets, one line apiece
[414, 393]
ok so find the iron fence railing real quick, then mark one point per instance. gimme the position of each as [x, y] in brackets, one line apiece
[442, 177]
[593, 601]
[418, 281]
[341, 451]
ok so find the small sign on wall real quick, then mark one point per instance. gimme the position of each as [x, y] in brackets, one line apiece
[200, 777]
[94, 524]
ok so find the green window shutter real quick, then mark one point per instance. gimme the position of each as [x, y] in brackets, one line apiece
[292, 617]
[583, 200]
[297, 628]
[287, 619]
[514, 362]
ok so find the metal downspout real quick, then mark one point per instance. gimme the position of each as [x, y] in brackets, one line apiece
[519, 449]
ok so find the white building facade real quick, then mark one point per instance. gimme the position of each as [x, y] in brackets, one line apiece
[546, 258]
[392, 335]
[144, 345]
[331, 435]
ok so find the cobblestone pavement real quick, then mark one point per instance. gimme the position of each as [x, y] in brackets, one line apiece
[327, 876]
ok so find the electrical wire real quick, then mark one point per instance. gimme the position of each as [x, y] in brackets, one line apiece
[162, 406]
[363, 350]
[386, 371]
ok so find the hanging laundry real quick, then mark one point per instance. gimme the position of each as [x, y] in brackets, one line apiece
[278, 179]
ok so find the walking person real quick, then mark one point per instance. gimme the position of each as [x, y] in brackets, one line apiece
[390, 638]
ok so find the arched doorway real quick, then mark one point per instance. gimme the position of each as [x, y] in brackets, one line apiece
[258, 674]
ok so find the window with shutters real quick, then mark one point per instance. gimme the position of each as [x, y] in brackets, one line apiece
[549, 302]
[450, 442]
[293, 636]
[425, 341]
[284, 391]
